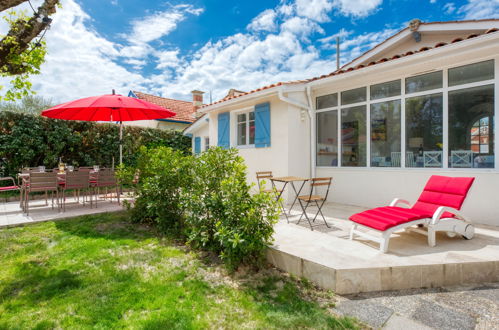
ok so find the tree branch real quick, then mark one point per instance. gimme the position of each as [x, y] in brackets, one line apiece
[21, 34]
[6, 4]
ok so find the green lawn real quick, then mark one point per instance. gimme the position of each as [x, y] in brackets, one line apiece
[102, 271]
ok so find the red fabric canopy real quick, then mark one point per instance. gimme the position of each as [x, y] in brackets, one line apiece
[112, 107]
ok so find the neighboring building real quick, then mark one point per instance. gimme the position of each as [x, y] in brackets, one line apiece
[185, 111]
[422, 102]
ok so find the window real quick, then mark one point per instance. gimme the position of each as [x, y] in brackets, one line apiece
[246, 128]
[471, 73]
[353, 136]
[406, 125]
[388, 89]
[385, 134]
[424, 131]
[423, 82]
[327, 101]
[327, 138]
[353, 96]
[206, 143]
[471, 140]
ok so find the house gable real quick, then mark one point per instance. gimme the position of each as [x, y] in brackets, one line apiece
[429, 34]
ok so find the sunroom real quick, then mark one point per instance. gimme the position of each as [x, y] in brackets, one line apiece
[440, 119]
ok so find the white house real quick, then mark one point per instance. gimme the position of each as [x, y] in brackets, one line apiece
[420, 103]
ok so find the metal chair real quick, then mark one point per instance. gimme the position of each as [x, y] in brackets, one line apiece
[311, 198]
[76, 181]
[264, 175]
[39, 182]
[13, 187]
[104, 179]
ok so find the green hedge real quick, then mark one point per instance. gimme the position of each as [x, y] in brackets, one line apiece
[30, 140]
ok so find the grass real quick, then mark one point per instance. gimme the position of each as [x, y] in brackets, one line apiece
[102, 271]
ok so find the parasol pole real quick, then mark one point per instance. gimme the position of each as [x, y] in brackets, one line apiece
[121, 142]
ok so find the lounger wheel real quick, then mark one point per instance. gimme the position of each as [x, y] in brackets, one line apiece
[450, 234]
[469, 232]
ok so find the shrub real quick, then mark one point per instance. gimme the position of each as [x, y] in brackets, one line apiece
[223, 216]
[164, 173]
[28, 140]
[207, 200]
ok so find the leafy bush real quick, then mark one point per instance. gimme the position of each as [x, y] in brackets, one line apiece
[223, 216]
[28, 140]
[206, 199]
[164, 173]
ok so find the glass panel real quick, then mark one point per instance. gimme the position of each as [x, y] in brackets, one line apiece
[241, 129]
[353, 136]
[353, 96]
[385, 134]
[471, 132]
[388, 89]
[206, 143]
[251, 128]
[423, 82]
[327, 101]
[423, 120]
[327, 138]
[470, 73]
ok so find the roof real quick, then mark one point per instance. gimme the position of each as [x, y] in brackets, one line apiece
[349, 69]
[185, 110]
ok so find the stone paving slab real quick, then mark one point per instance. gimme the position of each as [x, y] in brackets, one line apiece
[459, 307]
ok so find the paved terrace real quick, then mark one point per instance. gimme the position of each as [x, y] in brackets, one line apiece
[11, 215]
[328, 258]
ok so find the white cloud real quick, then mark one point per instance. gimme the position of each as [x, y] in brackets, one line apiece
[160, 24]
[301, 27]
[265, 21]
[357, 8]
[316, 10]
[479, 9]
[449, 8]
[168, 59]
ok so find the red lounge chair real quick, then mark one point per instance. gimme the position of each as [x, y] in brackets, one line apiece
[437, 209]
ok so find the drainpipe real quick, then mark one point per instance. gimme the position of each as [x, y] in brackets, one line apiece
[308, 107]
[311, 114]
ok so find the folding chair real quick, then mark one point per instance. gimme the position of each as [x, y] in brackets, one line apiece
[263, 175]
[310, 198]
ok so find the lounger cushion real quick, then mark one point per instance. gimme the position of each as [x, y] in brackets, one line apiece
[383, 218]
[443, 191]
[439, 191]
[9, 188]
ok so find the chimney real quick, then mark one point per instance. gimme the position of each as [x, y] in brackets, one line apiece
[197, 98]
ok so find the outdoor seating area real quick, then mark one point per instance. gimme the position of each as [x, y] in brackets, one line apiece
[84, 183]
[327, 257]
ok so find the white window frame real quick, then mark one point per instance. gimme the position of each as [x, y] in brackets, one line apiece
[206, 146]
[445, 89]
[234, 127]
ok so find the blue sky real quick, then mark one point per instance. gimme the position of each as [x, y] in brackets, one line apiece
[169, 48]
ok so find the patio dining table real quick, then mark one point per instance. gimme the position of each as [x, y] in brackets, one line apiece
[290, 180]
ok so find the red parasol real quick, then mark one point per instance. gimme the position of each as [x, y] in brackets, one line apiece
[111, 107]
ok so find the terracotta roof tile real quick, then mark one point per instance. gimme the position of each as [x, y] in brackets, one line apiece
[185, 110]
[359, 67]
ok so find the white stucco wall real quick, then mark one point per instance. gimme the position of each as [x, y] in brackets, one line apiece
[378, 187]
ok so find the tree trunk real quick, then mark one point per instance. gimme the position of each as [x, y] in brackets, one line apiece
[6, 4]
[23, 33]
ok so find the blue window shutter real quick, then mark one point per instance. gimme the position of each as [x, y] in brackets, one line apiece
[223, 130]
[262, 125]
[197, 145]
